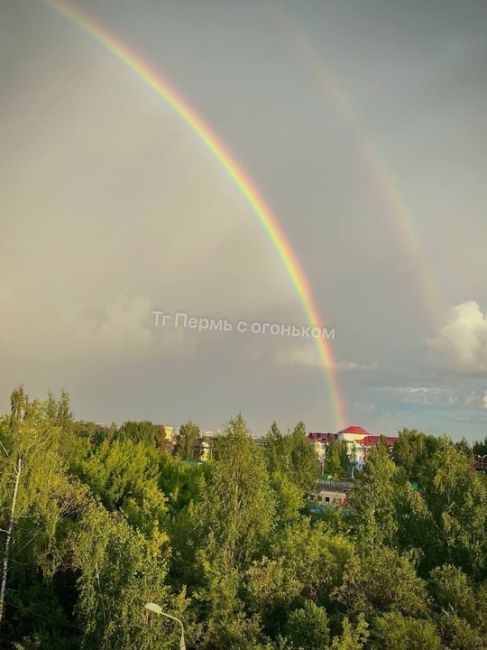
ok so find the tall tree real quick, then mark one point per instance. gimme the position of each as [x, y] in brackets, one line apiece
[292, 455]
[303, 459]
[119, 570]
[51, 406]
[372, 503]
[188, 446]
[36, 497]
[411, 451]
[124, 475]
[64, 413]
[144, 431]
[236, 516]
[454, 521]
[238, 506]
[8, 537]
[480, 447]
[333, 462]
[275, 450]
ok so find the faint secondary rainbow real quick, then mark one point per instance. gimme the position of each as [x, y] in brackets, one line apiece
[380, 173]
[234, 171]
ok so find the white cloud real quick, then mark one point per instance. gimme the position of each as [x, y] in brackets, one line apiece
[463, 338]
[424, 395]
[353, 365]
[476, 400]
[472, 400]
[298, 355]
[307, 355]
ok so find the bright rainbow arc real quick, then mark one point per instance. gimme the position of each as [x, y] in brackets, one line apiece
[234, 171]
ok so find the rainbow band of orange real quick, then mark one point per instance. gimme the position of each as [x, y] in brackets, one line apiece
[246, 187]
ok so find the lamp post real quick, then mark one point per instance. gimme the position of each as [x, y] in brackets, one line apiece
[156, 609]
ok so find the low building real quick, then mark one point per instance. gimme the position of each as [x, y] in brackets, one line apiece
[333, 493]
[168, 431]
[208, 443]
[359, 442]
[206, 448]
[480, 463]
[320, 442]
[370, 441]
[167, 438]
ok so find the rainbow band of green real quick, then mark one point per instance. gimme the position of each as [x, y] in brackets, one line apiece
[246, 187]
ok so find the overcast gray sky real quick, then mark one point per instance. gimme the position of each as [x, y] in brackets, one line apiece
[359, 122]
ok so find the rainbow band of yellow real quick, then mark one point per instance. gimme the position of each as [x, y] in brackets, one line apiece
[251, 194]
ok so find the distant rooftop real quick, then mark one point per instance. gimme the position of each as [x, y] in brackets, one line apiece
[370, 440]
[355, 429]
[322, 436]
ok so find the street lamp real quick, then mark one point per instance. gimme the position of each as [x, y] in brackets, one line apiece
[156, 609]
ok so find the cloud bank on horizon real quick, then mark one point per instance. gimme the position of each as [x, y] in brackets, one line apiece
[463, 338]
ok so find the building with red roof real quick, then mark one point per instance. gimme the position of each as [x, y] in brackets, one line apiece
[359, 443]
[355, 430]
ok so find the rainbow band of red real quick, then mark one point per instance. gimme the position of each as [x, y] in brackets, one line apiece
[249, 191]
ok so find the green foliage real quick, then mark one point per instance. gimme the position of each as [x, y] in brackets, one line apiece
[64, 414]
[463, 446]
[92, 433]
[119, 570]
[103, 522]
[183, 486]
[304, 562]
[453, 591]
[289, 498]
[307, 627]
[51, 407]
[373, 502]
[336, 464]
[39, 514]
[479, 447]
[303, 465]
[411, 451]
[460, 608]
[351, 638]
[145, 432]
[385, 581]
[292, 455]
[458, 634]
[235, 518]
[275, 450]
[188, 446]
[394, 631]
[453, 519]
[237, 509]
[124, 476]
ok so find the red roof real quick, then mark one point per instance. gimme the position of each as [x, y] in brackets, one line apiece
[322, 436]
[355, 429]
[373, 440]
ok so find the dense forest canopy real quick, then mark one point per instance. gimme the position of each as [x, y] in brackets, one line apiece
[97, 520]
